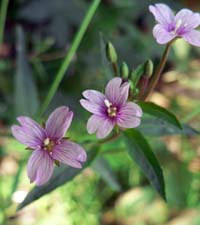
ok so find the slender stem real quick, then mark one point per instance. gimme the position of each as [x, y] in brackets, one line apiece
[69, 56]
[191, 115]
[155, 78]
[115, 69]
[3, 12]
[143, 88]
[110, 138]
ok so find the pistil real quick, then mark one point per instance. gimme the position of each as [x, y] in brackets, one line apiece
[111, 110]
[48, 144]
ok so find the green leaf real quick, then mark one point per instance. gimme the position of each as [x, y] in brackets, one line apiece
[178, 183]
[103, 168]
[141, 152]
[61, 175]
[153, 126]
[137, 73]
[26, 98]
[160, 112]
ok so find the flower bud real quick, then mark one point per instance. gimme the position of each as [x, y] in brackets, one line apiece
[148, 68]
[111, 53]
[124, 70]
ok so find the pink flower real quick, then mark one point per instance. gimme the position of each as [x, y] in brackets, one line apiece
[180, 25]
[48, 144]
[110, 109]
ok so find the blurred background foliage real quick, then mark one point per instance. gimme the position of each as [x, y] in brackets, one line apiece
[37, 36]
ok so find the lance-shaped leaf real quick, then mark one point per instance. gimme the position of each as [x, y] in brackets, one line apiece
[26, 97]
[62, 175]
[103, 168]
[153, 126]
[137, 73]
[160, 112]
[141, 152]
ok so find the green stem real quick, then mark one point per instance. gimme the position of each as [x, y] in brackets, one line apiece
[3, 12]
[155, 78]
[115, 69]
[191, 115]
[143, 87]
[69, 56]
[110, 138]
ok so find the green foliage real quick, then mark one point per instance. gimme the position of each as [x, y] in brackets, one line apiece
[103, 168]
[160, 113]
[137, 73]
[26, 96]
[61, 175]
[153, 126]
[141, 152]
[113, 190]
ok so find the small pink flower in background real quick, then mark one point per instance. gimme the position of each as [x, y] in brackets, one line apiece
[48, 144]
[180, 25]
[110, 109]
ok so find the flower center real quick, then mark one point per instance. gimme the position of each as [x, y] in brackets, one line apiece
[111, 110]
[48, 144]
[179, 22]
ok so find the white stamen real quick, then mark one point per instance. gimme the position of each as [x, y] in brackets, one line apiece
[178, 24]
[46, 141]
[107, 103]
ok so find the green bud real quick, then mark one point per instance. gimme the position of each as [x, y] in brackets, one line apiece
[148, 68]
[132, 86]
[124, 70]
[136, 92]
[111, 53]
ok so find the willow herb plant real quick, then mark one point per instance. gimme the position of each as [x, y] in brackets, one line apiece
[118, 113]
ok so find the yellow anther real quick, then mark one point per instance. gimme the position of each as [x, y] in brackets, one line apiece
[112, 111]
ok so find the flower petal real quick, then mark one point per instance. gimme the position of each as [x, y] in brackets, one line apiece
[23, 135]
[163, 14]
[29, 133]
[101, 125]
[59, 122]
[40, 167]
[69, 153]
[129, 115]
[94, 96]
[116, 92]
[33, 128]
[188, 19]
[193, 37]
[93, 107]
[162, 36]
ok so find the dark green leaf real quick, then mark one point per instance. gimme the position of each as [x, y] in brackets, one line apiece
[152, 126]
[141, 152]
[61, 175]
[26, 98]
[102, 167]
[160, 112]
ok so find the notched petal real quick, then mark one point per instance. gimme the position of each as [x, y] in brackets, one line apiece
[117, 92]
[58, 122]
[129, 115]
[162, 13]
[69, 153]
[40, 167]
[92, 106]
[94, 96]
